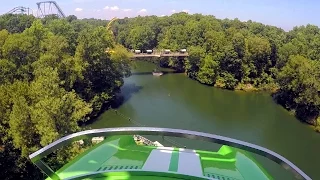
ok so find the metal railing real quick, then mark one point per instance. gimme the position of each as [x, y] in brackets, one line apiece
[37, 156]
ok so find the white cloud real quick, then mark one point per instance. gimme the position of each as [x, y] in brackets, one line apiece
[106, 8]
[78, 9]
[173, 11]
[185, 10]
[142, 11]
[114, 8]
[127, 10]
[162, 15]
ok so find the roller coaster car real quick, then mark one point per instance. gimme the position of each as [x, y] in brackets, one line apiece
[120, 157]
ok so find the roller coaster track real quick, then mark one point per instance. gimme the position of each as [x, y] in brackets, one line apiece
[46, 8]
[110, 31]
[20, 10]
[110, 23]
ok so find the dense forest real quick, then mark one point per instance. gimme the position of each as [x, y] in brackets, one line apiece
[237, 55]
[55, 74]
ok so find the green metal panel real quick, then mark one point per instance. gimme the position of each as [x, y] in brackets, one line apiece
[120, 153]
[231, 163]
[211, 138]
[113, 153]
[174, 160]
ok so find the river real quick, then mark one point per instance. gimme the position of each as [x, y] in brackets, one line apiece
[175, 101]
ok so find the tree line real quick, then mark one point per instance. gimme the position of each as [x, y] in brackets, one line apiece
[236, 55]
[54, 75]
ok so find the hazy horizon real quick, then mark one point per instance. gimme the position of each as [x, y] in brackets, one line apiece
[284, 14]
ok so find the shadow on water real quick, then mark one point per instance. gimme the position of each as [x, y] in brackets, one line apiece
[150, 73]
[126, 93]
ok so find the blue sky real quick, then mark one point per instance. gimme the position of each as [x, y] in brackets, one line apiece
[282, 13]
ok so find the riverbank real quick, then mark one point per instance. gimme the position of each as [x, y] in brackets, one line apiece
[272, 89]
[174, 101]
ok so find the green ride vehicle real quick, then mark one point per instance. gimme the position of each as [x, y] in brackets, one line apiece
[123, 155]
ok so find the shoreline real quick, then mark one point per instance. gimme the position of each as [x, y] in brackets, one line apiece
[314, 124]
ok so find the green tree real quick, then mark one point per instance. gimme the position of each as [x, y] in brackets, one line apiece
[208, 71]
[227, 80]
[215, 41]
[19, 49]
[46, 90]
[63, 28]
[259, 52]
[239, 44]
[301, 75]
[71, 18]
[285, 52]
[7, 71]
[16, 23]
[314, 51]
[102, 75]
[55, 55]
[47, 19]
[3, 37]
[43, 112]
[193, 62]
[121, 58]
[142, 37]
[299, 83]
[174, 38]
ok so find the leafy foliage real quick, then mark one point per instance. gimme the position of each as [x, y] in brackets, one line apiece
[56, 73]
[52, 77]
[236, 55]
